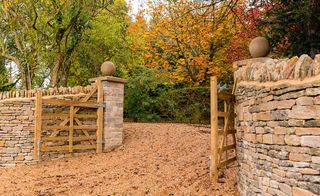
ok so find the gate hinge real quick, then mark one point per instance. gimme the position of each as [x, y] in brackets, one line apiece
[104, 105]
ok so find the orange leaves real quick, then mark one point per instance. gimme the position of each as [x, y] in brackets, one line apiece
[187, 41]
[184, 38]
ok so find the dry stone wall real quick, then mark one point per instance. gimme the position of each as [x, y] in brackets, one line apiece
[16, 132]
[278, 124]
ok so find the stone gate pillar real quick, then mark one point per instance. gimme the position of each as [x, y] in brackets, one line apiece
[113, 95]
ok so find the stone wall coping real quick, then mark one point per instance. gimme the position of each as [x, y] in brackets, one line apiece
[288, 82]
[271, 70]
[241, 63]
[28, 99]
[109, 79]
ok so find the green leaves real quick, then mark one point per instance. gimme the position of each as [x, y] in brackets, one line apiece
[293, 26]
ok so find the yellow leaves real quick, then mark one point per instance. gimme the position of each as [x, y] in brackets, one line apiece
[8, 4]
[188, 40]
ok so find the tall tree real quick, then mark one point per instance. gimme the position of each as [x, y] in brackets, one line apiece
[44, 34]
[292, 26]
[189, 39]
[112, 36]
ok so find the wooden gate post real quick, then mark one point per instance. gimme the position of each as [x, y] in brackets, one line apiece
[38, 124]
[214, 127]
[100, 116]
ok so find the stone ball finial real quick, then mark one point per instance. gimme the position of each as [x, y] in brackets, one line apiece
[108, 68]
[259, 47]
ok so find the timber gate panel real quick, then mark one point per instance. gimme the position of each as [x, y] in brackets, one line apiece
[69, 125]
[223, 132]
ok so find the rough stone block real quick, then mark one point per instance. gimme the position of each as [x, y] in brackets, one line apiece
[312, 123]
[259, 138]
[285, 188]
[267, 98]
[266, 181]
[280, 130]
[296, 191]
[260, 130]
[250, 137]
[19, 158]
[273, 124]
[278, 139]
[304, 112]
[292, 140]
[309, 171]
[268, 138]
[312, 91]
[310, 141]
[316, 159]
[302, 66]
[299, 157]
[307, 131]
[316, 100]
[279, 115]
[279, 172]
[274, 184]
[263, 116]
[303, 101]
[14, 150]
[296, 123]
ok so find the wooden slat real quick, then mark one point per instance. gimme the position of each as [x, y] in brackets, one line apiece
[227, 162]
[228, 147]
[71, 129]
[100, 116]
[86, 127]
[47, 116]
[75, 139]
[54, 127]
[84, 147]
[226, 125]
[222, 114]
[60, 102]
[226, 96]
[66, 148]
[214, 127]
[57, 127]
[85, 116]
[37, 133]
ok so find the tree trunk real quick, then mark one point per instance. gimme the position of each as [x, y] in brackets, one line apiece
[56, 68]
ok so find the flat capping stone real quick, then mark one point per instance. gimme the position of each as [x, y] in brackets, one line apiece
[109, 79]
[241, 63]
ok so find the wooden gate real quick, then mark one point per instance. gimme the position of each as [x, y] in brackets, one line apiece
[70, 133]
[223, 139]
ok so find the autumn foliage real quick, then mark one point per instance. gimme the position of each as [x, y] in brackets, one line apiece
[188, 41]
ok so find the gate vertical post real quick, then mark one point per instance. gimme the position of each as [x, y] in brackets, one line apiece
[38, 124]
[214, 127]
[100, 116]
[71, 128]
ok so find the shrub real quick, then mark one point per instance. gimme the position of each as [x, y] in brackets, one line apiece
[141, 94]
[190, 105]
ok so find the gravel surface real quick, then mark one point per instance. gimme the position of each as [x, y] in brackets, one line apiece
[156, 159]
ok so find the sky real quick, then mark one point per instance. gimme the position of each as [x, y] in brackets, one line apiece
[136, 4]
